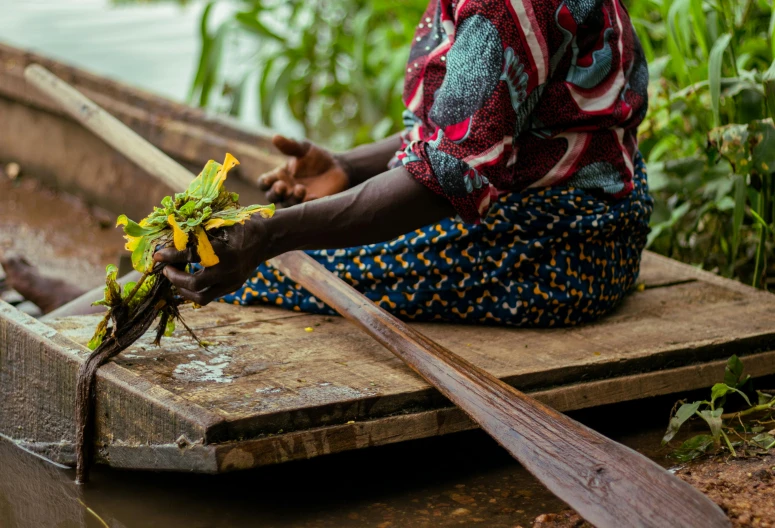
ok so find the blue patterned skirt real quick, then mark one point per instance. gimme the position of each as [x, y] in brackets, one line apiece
[544, 257]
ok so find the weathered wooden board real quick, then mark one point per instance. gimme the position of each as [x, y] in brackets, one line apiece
[47, 143]
[268, 391]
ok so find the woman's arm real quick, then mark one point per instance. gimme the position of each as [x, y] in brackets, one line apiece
[377, 210]
[366, 161]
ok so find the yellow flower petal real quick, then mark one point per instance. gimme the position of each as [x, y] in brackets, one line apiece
[207, 256]
[215, 223]
[132, 242]
[178, 236]
[228, 163]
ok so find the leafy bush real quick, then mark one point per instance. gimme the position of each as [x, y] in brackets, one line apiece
[337, 64]
[749, 430]
[708, 137]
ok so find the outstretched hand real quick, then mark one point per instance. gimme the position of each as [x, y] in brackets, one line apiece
[311, 172]
[240, 248]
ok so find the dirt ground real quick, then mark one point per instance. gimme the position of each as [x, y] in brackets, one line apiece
[744, 488]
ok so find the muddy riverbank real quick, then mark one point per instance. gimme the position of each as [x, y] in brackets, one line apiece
[743, 487]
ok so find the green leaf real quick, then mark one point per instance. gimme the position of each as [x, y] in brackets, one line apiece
[693, 448]
[140, 260]
[170, 328]
[713, 419]
[761, 136]
[683, 413]
[99, 334]
[128, 288]
[719, 390]
[714, 73]
[251, 22]
[763, 398]
[733, 372]
[187, 208]
[764, 440]
[131, 228]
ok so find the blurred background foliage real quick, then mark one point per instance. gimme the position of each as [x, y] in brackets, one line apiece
[335, 68]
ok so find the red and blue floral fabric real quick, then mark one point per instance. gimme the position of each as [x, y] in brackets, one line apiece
[502, 95]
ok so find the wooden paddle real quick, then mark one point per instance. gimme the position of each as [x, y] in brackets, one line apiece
[607, 483]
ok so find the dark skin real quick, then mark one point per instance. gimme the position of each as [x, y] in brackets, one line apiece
[335, 201]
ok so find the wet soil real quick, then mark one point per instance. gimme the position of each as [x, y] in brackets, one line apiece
[743, 487]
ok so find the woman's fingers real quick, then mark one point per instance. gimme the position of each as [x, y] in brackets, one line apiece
[265, 181]
[170, 255]
[291, 147]
[279, 192]
[297, 194]
[201, 298]
[196, 282]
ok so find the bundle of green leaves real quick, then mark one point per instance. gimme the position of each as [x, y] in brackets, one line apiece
[182, 221]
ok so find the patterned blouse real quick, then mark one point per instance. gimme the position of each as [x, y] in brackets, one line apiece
[502, 95]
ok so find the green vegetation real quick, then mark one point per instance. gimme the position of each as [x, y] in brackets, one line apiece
[748, 430]
[338, 65]
[709, 138]
[183, 221]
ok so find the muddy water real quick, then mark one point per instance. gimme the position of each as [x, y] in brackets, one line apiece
[459, 480]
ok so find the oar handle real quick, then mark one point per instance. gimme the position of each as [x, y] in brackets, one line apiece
[606, 483]
[109, 129]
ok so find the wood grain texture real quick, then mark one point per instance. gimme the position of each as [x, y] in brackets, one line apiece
[266, 373]
[37, 385]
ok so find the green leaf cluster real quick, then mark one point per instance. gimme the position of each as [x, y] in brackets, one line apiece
[749, 437]
[183, 220]
[336, 67]
[707, 135]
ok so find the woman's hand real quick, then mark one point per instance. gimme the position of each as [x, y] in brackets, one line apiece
[311, 172]
[240, 248]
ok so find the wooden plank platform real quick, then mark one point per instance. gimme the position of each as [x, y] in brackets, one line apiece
[267, 391]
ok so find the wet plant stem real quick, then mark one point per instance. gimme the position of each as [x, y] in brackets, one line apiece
[139, 284]
[752, 410]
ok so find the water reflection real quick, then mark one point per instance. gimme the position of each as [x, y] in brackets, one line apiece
[458, 480]
[35, 493]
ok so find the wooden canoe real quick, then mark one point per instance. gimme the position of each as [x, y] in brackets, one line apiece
[269, 390]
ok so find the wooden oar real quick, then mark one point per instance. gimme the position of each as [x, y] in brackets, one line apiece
[607, 483]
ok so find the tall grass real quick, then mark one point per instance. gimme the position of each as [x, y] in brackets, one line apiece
[709, 131]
